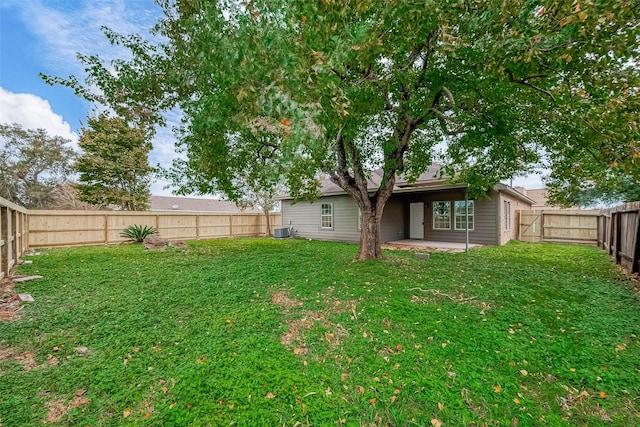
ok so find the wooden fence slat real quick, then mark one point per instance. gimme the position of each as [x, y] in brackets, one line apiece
[75, 228]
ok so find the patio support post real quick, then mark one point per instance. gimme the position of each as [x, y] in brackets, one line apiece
[466, 226]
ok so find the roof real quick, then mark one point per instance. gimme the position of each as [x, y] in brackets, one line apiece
[192, 204]
[430, 180]
[427, 179]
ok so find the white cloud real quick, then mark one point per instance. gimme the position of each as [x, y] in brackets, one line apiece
[32, 112]
[64, 29]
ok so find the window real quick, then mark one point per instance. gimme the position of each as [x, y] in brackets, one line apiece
[442, 215]
[461, 217]
[506, 215]
[326, 216]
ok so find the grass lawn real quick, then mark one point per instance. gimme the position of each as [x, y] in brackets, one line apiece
[258, 332]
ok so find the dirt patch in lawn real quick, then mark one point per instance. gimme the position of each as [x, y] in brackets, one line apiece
[27, 359]
[295, 336]
[281, 299]
[58, 408]
[9, 301]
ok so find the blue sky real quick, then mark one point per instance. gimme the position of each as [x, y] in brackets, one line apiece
[44, 36]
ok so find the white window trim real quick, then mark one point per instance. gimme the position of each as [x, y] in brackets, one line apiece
[433, 219]
[323, 215]
[472, 215]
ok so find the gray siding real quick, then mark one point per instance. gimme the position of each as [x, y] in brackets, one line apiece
[304, 217]
[393, 225]
[485, 231]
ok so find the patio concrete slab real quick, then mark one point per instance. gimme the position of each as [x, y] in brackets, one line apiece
[428, 245]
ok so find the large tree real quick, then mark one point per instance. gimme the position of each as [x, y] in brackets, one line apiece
[114, 165]
[349, 87]
[32, 164]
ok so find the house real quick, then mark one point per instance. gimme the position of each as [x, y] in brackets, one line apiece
[192, 204]
[540, 196]
[428, 209]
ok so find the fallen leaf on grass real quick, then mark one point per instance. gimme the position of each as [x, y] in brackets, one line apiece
[393, 398]
[373, 401]
[269, 395]
[603, 395]
[440, 406]
[436, 422]
[517, 401]
[497, 388]
[126, 412]
[621, 347]
[524, 372]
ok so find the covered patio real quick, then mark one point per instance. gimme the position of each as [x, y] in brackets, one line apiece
[427, 245]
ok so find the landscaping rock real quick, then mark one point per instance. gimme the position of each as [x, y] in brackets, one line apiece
[156, 242]
[26, 298]
[19, 279]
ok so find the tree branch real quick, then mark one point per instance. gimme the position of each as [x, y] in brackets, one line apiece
[524, 82]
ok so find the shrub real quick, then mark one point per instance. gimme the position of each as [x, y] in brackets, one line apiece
[137, 233]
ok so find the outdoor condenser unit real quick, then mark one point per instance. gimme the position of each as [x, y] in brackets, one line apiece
[280, 233]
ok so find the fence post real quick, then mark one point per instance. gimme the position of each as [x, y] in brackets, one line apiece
[635, 267]
[3, 246]
[612, 229]
[618, 245]
[5, 240]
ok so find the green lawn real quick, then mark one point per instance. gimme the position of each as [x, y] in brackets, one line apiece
[256, 332]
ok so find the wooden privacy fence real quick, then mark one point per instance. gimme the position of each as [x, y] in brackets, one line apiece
[559, 226]
[615, 230]
[13, 235]
[75, 228]
[619, 235]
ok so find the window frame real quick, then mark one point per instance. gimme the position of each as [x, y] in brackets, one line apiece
[507, 215]
[472, 215]
[435, 216]
[324, 215]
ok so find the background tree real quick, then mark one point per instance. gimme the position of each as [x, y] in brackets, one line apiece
[66, 197]
[32, 164]
[352, 87]
[114, 167]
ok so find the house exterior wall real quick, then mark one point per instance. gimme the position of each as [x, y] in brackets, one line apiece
[395, 225]
[508, 218]
[485, 228]
[304, 217]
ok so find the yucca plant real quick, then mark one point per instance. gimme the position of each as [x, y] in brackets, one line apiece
[137, 233]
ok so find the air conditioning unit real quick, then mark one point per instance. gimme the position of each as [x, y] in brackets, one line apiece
[280, 233]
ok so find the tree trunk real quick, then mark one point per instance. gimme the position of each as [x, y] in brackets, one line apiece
[370, 247]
